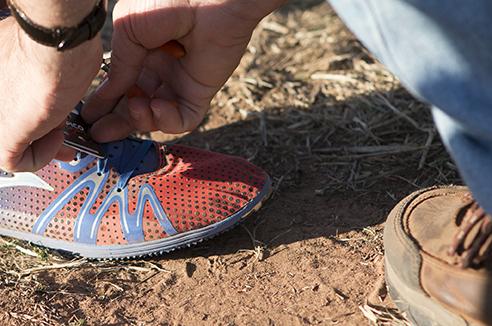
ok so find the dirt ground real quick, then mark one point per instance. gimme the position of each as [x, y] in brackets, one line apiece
[343, 143]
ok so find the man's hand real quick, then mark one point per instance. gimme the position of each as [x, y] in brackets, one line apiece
[39, 87]
[178, 91]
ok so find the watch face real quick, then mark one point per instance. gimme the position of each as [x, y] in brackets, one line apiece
[77, 135]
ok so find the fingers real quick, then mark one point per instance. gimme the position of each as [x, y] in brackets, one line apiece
[135, 91]
[126, 65]
[132, 39]
[127, 58]
[129, 116]
[154, 23]
[133, 113]
[105, 98]
[141, 115]
[173, 118]
[111, 127]
[107, 95]
[65, 154]
[33, 157]
[145, 115]
[97, 105]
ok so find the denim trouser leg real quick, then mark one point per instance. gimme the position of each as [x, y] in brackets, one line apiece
[442, 52]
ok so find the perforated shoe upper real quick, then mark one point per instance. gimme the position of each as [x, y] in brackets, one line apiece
[166, 192]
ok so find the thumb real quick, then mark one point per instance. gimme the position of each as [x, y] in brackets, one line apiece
[33, 156]
[139, 26]
[127, 59]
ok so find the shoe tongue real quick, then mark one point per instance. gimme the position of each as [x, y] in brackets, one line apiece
[119, 153]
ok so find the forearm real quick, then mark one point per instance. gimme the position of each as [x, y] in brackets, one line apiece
[63, 69]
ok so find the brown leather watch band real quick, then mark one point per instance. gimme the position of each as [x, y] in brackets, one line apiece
[62, 38]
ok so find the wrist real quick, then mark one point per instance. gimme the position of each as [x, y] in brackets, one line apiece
[63, 30]
[56, 13]
[52, 72]
[49, 58]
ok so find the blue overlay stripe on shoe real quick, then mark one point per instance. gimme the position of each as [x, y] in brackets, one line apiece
[132, 224]
[76, 166]
[86, 224]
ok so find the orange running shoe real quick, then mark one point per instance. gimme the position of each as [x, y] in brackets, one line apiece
[144, 198]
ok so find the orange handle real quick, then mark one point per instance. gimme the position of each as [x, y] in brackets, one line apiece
[172, 48]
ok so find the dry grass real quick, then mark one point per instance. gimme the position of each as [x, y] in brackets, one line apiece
[307, 97]
[314, 95]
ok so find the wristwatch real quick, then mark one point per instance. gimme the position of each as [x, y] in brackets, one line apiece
[62, 38]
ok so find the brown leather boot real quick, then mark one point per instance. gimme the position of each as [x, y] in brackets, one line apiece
[438, 268]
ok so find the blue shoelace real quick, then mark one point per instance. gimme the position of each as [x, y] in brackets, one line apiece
[127, 158]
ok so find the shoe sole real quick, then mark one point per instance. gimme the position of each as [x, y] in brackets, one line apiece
[413, 301]
[149, 248]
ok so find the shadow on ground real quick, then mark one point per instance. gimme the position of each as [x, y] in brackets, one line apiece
[336, 167]
[342, 142]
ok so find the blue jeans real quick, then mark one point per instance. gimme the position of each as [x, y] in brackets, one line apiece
[442, 53]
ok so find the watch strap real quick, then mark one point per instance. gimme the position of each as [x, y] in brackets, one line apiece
[4, 13]
[62, 38]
